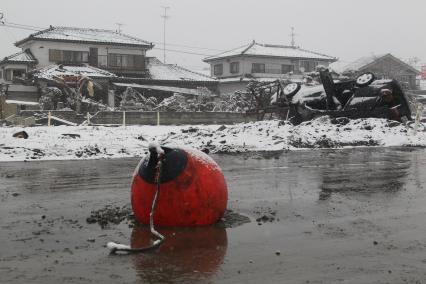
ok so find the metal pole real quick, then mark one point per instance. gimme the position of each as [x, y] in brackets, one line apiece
[158, 118]
[165, 17]
[419, 112]
[49, 116]
[88, 118]
[124, 118]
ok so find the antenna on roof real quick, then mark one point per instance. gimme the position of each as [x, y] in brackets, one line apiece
[293, 35]
[119, 25]
[165, 17]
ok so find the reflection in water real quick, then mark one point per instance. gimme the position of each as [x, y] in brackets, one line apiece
[188, 254]
[367, 172]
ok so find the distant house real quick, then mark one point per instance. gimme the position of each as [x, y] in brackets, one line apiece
[384, 67]
[255, 60]
[116, 52]
[16, 65]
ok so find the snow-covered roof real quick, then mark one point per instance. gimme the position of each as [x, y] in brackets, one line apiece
[161, 71]
[258, 49]
[52, 71]
[364, 62]
[20, 57]
[86, 35]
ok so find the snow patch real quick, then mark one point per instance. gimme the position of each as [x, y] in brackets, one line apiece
[95, 142]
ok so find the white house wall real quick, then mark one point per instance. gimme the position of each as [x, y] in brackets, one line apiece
[272, 64]
[40, 49]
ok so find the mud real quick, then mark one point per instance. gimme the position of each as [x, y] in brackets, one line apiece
[114, 215]
[326, 216]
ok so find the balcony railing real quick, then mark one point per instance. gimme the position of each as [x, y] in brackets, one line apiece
[104, 63]
[269, 71]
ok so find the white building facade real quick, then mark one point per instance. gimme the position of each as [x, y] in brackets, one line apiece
[264, 62]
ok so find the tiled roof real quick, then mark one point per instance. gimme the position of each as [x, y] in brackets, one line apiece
[161, 71]
[258, 49]
[52, 71]
[20, 57]
[71, 34]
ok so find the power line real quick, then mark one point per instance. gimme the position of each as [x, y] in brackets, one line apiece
[181, 51]
[21, 26]
[190, 46]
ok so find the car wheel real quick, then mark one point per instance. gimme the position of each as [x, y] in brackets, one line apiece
[365, 79]
[291, 89]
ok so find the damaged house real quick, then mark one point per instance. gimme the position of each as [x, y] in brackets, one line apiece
[16, 65]
[59, 58]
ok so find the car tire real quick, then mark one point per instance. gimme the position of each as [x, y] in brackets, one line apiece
[291, 89]
[365, 79]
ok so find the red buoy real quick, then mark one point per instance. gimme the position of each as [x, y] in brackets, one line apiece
[193, 189]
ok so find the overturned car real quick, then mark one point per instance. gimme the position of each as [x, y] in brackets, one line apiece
[362, 97]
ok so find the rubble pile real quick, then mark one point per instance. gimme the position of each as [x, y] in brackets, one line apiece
[237, 102]
[133, 100]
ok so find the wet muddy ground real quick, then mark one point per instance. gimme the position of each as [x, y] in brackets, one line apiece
[325, 216]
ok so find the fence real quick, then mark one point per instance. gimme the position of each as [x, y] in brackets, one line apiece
[149, 118]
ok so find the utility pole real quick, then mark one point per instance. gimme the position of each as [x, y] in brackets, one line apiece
[119, 25]
[293, 35]
[165, 17]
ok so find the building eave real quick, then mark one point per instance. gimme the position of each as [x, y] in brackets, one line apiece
[30, 38]
[334, 59]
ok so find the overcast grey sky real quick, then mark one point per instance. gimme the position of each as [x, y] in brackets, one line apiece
[347, 29]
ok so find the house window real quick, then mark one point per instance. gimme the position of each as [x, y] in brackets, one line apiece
[18, 73]
[285, 68]
[258, 68]
[68, 56]
[126, 61]
[218, 69]
[308, 66]
[103, 61]
[234, 67]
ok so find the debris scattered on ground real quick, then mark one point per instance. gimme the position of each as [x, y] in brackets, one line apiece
[21, 134]
[49, 143]
[232, 219]
[111, 215]
[115, 215]
[265, 215]
[70, 135]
